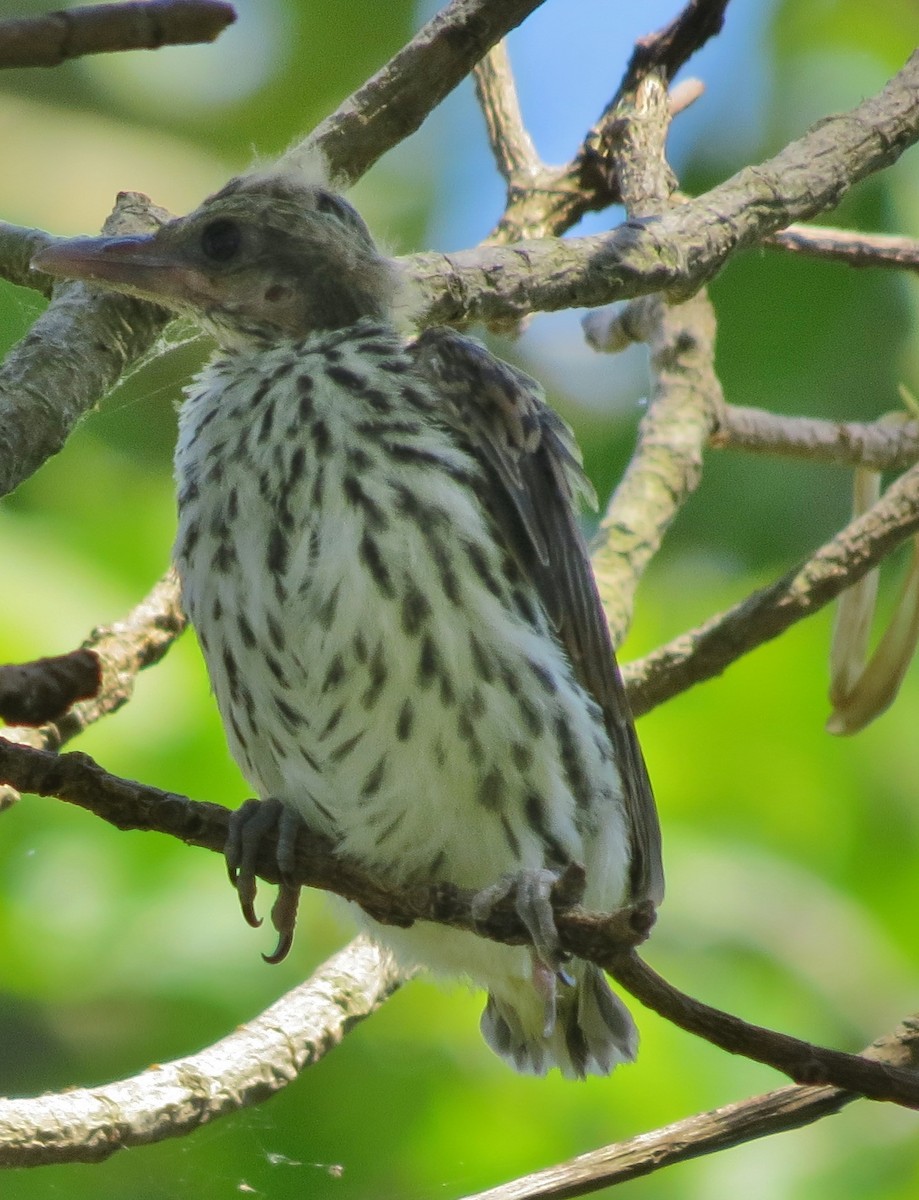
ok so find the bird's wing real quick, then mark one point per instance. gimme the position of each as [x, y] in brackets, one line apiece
[534, 480]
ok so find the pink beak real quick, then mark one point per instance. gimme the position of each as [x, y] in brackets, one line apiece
[136, 265]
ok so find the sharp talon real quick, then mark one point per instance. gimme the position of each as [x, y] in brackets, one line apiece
[565, 978]
[249, 825]
[284, 919]
[249, 914]
[281, 950]
[533, 890]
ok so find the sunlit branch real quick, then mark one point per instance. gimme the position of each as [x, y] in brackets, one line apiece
[394, 102]
[849, 247]
[174, 1098]
[510, 142]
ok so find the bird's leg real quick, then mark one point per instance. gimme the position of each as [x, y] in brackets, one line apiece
[532, 888]
[533, 903]
[249, 825]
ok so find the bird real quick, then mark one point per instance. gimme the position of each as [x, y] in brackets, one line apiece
[379, 549]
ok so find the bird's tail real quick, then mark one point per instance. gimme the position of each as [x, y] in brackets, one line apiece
[591, 1033]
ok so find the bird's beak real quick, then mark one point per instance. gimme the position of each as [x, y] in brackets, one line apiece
[136, 265]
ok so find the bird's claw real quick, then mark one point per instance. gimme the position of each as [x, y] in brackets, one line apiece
[252, 822]
[284, 919]
[532, 889]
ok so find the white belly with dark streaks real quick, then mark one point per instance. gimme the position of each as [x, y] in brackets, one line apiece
[343, 586]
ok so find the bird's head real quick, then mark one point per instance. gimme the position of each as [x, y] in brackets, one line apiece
[265, 258]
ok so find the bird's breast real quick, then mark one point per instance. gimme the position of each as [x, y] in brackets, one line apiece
[378, 660]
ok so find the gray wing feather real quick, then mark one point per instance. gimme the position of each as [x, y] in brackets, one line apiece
[534, 481]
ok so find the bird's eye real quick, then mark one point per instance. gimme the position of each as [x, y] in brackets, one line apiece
[221, 239]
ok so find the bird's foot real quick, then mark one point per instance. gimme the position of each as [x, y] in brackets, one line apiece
[533, 903]
[250, 824]
[533, 889]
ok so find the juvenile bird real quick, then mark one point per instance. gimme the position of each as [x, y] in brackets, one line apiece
[379, 550]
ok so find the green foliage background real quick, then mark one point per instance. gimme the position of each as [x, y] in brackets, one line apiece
[791, 856]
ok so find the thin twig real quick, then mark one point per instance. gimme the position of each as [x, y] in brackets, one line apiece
[49, 40]
[588, 182]
[802, 1061]
[845, 246]
[707, 651]
[172, 1099]
[882, 445]
[731, 1125]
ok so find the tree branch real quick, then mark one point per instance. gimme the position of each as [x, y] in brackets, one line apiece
[73, 354]
[677, 252]
[100, 28]
[18, 246]
[43, 690]
[172, 1099]
[606, 939]
[804, 1062]
[394, 102]
[121, 651]
[687, 246]
[891, 443]
[706, 1133]
[511, 144]
[76, 779]
[684, 400]
[589, 181]
[685, 393]
[705, 652]
[845, 246]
